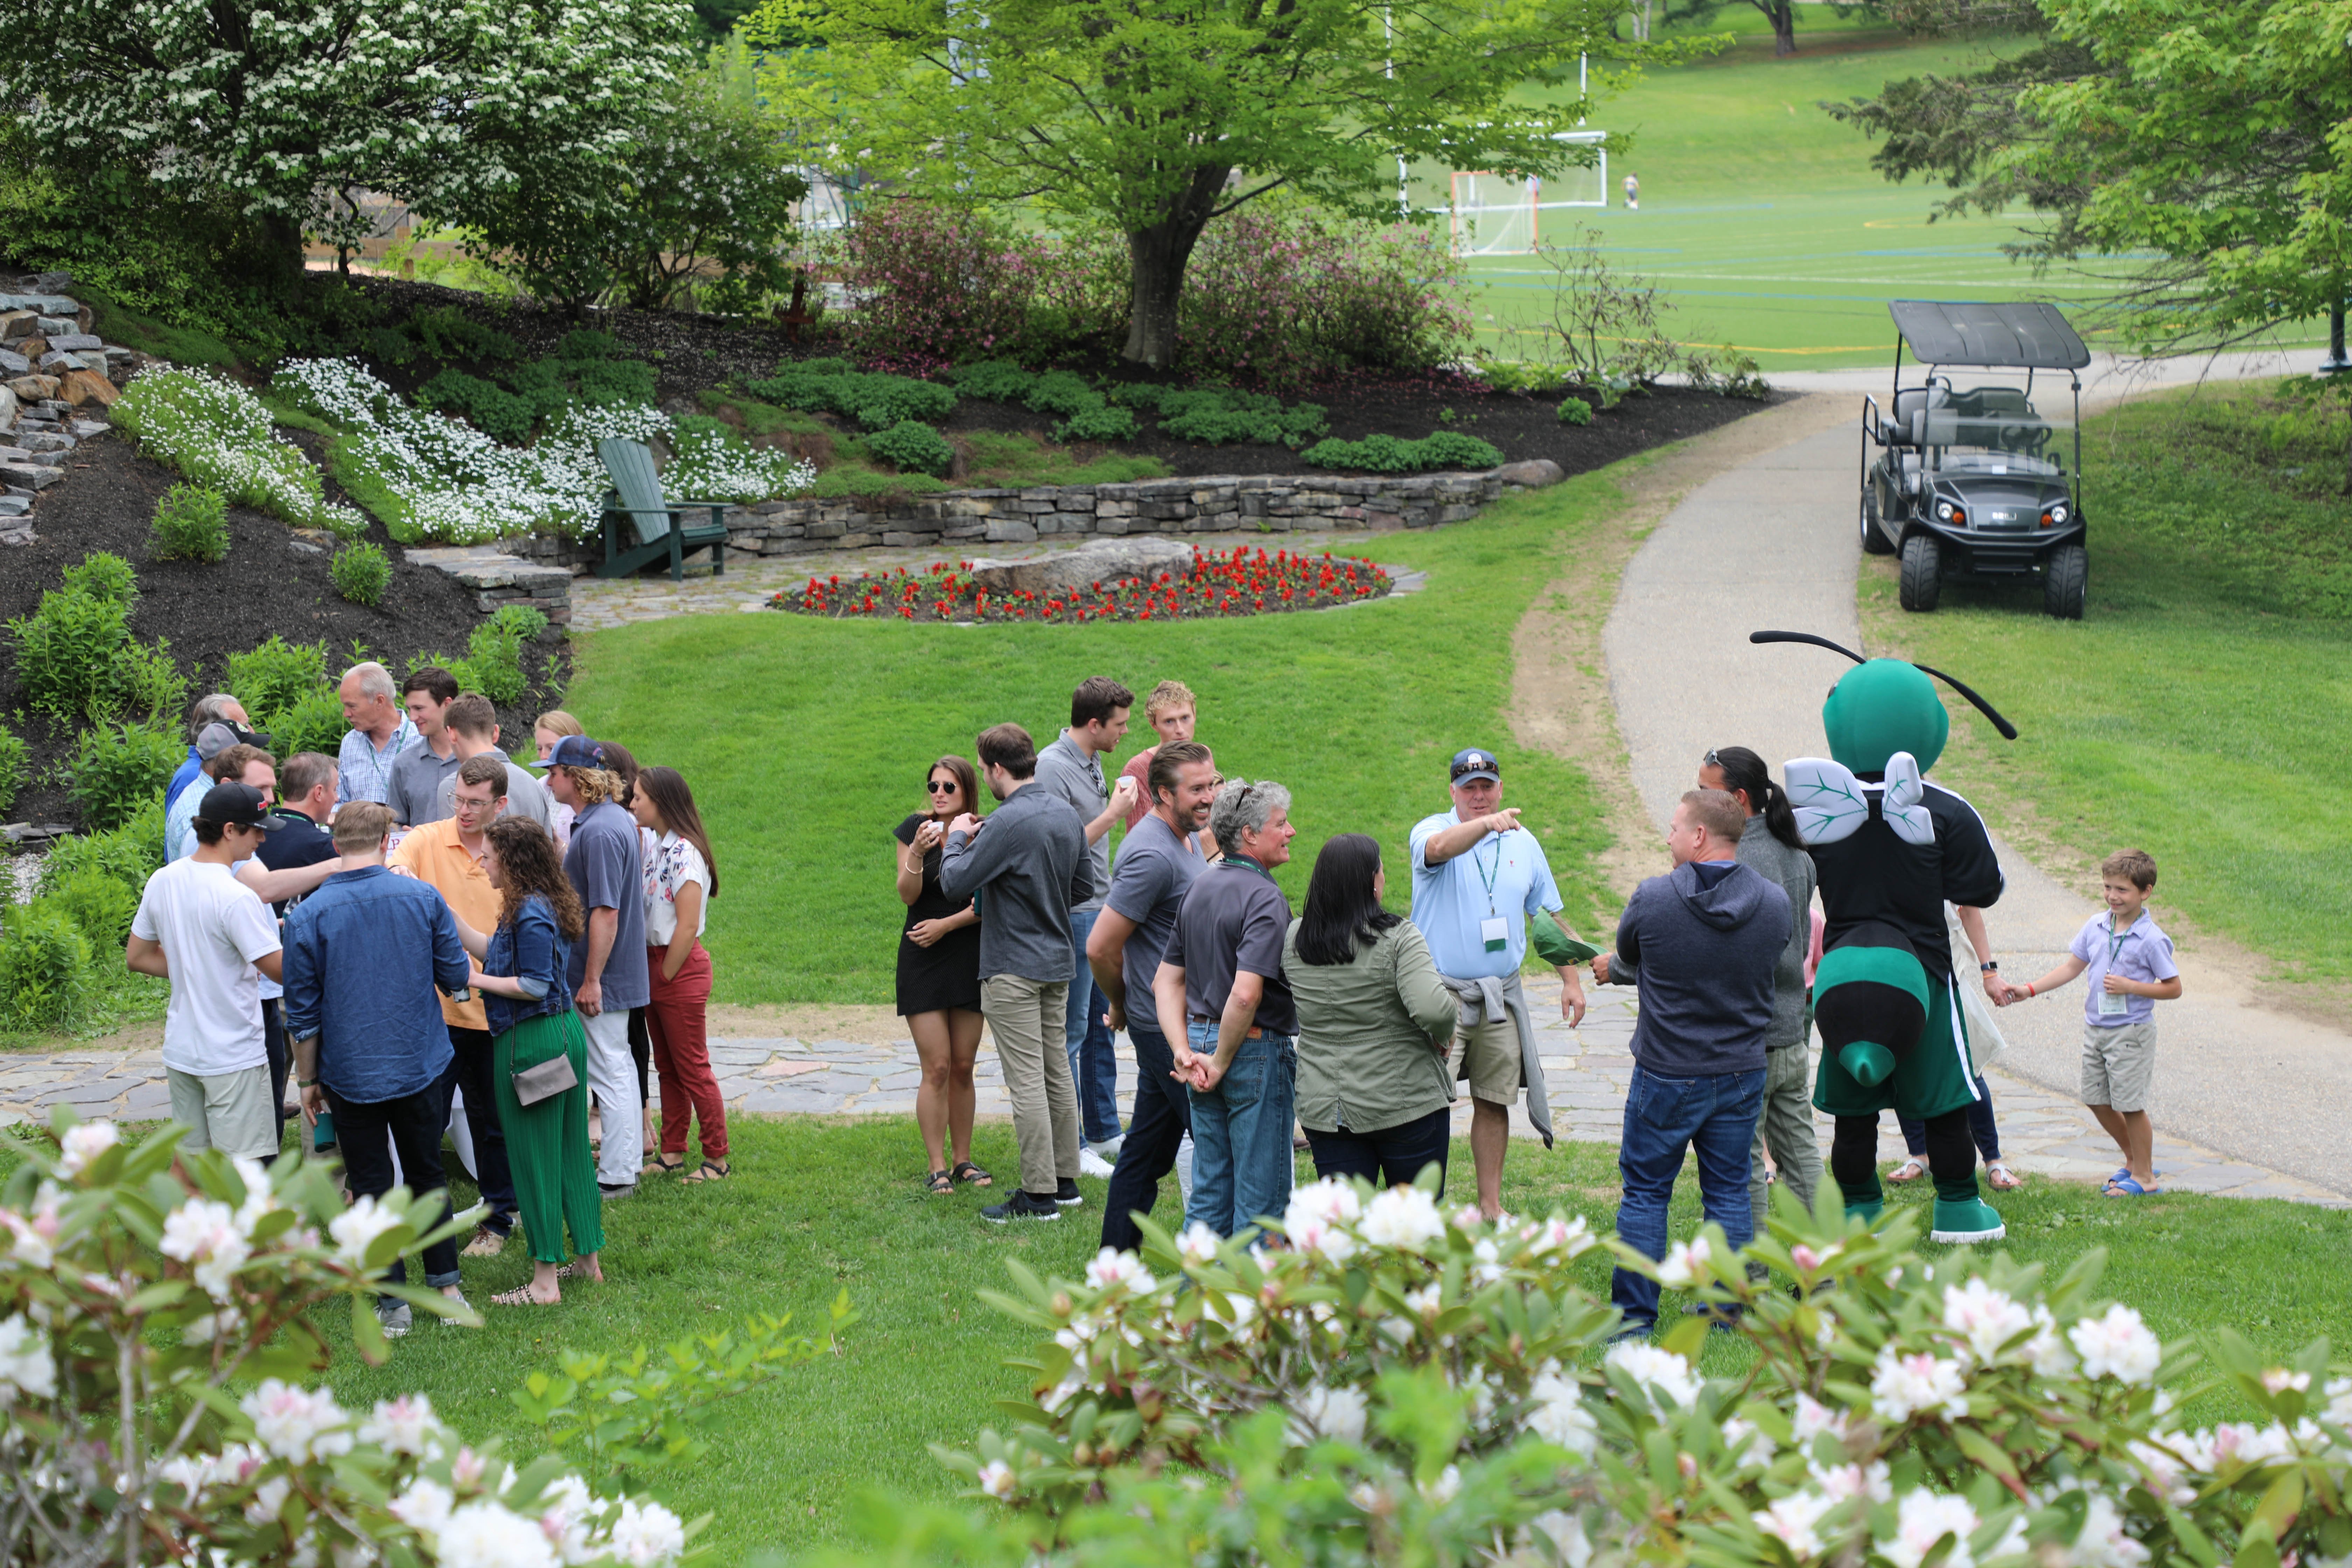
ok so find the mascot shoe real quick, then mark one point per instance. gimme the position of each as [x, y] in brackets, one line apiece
[1962, 1223]
[1868, 1213]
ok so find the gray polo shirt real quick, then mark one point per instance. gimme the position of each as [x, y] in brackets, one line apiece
[526, 796]
[413, 789]
[1065, 771]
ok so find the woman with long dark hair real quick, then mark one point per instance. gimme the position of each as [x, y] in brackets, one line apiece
[938, 977]
[519, 968]
[681, 879]
[1374, 1025]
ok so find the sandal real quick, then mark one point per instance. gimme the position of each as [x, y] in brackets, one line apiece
[572, 1270]
[662, 1165]
[712, 1170]
[939, 1184]
[2001, 1179]
[972, 1175]
[520, 1295]
[2126, 1187]
[1909, 1172]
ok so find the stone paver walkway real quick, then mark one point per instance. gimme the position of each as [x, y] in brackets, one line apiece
[1586, 1070]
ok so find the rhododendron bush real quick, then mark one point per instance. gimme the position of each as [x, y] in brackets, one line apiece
[1393, 1381]
[157, 1352]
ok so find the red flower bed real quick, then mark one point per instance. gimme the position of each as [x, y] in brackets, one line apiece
[1244, 583]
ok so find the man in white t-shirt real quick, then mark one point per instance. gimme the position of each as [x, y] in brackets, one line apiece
[216, 941]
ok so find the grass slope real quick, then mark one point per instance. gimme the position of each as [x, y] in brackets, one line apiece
[818, 1207]
[2197, 709]
[806, 740]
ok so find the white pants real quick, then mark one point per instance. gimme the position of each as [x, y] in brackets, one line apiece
[613, 1079]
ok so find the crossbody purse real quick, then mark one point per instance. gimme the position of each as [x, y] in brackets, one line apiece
[544, 1081]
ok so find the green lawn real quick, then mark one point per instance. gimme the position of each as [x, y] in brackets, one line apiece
[818, 1207]
[2198, 708]
[806, 740]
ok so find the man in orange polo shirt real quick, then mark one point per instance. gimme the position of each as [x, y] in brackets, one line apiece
[448, 856]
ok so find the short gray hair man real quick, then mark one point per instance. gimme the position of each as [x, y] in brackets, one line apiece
[220, 708]
[1244, 807]
[374, 680]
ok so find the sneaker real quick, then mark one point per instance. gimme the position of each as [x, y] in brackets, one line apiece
[1067, 1192]
[487, 1243]
[1092, 1165]
[1021, 1206]
[396, 1317]
[615, 1190]
[1109, 1148]
[462, 1305]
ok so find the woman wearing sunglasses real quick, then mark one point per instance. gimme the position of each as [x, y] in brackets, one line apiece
[938, 977]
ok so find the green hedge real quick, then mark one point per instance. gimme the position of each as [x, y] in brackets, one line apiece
[1388, 455]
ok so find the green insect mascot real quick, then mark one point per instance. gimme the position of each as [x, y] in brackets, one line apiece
[1890, 850]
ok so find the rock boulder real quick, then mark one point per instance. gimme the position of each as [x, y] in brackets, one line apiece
[8, 408]
[1101, 562]
[1533, 474]
[83, 386]
[34, 388]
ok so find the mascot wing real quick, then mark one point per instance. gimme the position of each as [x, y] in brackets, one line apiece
[1830, 802]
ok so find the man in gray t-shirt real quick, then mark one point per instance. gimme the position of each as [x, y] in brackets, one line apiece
[1157, 864]
[473, 725]
[1071, 769]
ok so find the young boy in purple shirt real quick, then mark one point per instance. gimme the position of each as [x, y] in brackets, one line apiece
[2129, 961]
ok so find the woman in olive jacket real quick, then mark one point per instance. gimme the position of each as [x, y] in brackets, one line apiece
[1374, 1025]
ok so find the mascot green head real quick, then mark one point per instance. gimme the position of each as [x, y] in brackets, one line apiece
[1881, 708]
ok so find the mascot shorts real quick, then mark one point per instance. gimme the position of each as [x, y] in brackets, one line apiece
[1938, 1075]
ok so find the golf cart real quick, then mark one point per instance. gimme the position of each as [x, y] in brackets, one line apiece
[1969, 476]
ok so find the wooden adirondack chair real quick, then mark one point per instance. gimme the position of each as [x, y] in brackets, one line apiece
[640, 527]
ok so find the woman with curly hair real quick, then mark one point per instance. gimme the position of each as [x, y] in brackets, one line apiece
[520, 969]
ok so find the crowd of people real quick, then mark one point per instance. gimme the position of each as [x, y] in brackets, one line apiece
[430, 938]
[1358, 1027]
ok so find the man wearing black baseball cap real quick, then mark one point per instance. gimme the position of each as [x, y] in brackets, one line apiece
[215, 939]
[1478, 877]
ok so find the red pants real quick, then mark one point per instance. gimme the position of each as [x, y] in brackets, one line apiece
[674, 1023]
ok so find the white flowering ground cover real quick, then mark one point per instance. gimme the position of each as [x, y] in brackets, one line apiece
[453, 485]
[217, 433]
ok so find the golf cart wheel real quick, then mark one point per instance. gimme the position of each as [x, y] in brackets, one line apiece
[1873, 540]
[2064, 580]
[1923, 570]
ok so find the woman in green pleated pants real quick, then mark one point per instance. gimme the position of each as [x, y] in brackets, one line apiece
[520, 970]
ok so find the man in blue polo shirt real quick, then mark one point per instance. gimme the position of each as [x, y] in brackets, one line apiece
[1477, 877]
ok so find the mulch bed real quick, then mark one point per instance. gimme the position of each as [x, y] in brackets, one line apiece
[208, 611]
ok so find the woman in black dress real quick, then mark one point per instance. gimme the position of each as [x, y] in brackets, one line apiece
[938, 978]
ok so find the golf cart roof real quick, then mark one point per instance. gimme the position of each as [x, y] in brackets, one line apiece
[2027, 336]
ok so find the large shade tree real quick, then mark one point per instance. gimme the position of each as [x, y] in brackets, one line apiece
[1157, 116]
[284, 104]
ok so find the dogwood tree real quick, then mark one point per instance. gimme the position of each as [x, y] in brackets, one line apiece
[283, 103]
[1159, 119]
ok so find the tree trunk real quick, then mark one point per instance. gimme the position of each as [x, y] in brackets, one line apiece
[1157, 256]
[284, 237]
[1784, 28]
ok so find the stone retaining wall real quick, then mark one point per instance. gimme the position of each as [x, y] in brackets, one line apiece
[1259, 503]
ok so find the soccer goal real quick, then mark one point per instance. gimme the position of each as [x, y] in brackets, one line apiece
[1490, 214]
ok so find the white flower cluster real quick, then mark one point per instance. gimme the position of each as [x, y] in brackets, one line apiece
[457, 485]
[216, 432]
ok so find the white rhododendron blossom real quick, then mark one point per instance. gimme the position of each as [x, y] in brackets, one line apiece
[1985, 1318]
[1923, 1519]
[207, 1234]
[356, 1228]
[1812, 1418]
[1844, 1483]
[1686, 1264]
[996, 1479]
[426, 1506]
[84, 1143]
[486, 1535]
[646, 1533]
[1662, 1372]
[2278, 1380]
[1404, 1217]
[1318, 1216]
[1198, 1244]
[298, 1424]
[1330, 1413]
[2047, 1350]
[1112, 1267]
[27, 1366]
[1749, 1441]
[1570, 1236]
[2104, 1541]
[1790, 1521]
[1559, 1416]
[1571, 1544]
[1902, 1387]
[2118, 1345]
[405, 1425]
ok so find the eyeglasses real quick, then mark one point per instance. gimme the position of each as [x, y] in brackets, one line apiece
[936, 787]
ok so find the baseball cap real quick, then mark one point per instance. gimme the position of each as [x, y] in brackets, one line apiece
[573, 751]
[234, 803]
[220, 735]
[1471, 763]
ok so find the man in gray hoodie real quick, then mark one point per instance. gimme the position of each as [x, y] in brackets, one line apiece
[1027, 866]
[1703, 942]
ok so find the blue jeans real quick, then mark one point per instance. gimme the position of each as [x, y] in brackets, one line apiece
[1093, 1051]
[1716, 1118]
[1163, 1112]
[1240, 1132]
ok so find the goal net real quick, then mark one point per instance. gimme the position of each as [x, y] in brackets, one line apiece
[1490, 214]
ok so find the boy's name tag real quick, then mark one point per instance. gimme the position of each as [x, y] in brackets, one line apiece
[1495, 933]
[2112, 1004]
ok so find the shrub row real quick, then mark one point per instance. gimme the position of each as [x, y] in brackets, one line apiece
[1390, 455]
[875, 402]
[77, 661]
[589, 369]
[89, 889]
[1218, 416]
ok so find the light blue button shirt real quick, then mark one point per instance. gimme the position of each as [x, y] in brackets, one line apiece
[363, 770]
[1450, 900]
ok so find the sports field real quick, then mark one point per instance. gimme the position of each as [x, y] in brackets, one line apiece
[1761, 217]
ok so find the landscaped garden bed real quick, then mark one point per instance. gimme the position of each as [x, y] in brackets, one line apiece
[1242, 582]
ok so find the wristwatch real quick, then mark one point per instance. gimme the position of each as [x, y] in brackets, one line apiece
[1988, 968]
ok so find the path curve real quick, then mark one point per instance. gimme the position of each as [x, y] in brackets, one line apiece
[1773, 542]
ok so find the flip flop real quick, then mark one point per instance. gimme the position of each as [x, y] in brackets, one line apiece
[2123, 1172]
[2124, 1187]
[1915, 1167]
[966, 1170]
[660, 1165]
[710, 1170]
[2001, 1179]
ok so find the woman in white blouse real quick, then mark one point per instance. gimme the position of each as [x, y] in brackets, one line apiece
[681, 879]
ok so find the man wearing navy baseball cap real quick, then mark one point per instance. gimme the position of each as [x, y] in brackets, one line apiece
[1477, 879]
[608, 974]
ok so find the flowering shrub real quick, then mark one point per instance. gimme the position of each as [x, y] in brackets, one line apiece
[936, 283]
[217, 434]
[155, 1314]
[1242, 583]
[1397, 1367]
[453, 484]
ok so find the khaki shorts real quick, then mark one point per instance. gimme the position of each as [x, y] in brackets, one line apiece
[2119, 1065]
[229, 1112]
[1488, 1055]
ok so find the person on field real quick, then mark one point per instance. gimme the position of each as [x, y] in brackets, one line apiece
[681, 875]
[938, 978]
[1027, 866]
[414, 792]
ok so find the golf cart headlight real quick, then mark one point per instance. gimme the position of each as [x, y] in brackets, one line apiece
[1944, 512]
[2059, 514]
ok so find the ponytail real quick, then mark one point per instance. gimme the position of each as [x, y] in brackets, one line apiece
[1744, 772]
